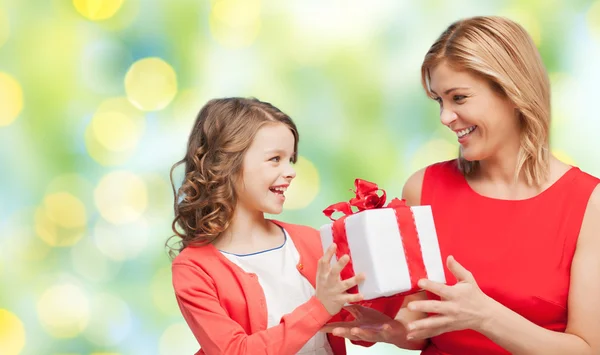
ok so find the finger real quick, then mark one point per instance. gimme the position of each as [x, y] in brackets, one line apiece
[366, 334]
[329, 327]
[430, 324]
[325, 261]
[352, 297]
[458, 270]
[425, 334]
[339, 266]
[344, 333]
[351, 282]
[444, 291]
[430, 306]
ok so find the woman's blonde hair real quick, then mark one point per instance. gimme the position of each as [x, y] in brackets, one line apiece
[220, 137]
[502, 52]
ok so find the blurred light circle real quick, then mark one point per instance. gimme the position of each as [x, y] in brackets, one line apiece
[51, 232]
[237, 13]
[116, 131]
[178, 339]
[185, 106]
[120, 104]
[433, 151]
[527, 20]
[97, 9]
[110, 321]
[4, 28]
[92, 264]
[63, 311]
[593, 19]
[11, 99]
[235, 23]
[75, 184]
[564, 157]
[160, 201]
[103, 155]
[123, 241]
[12, 333]
[151, 84]
[65, 210]
[305, 186]
[121, 197]
[104, 143]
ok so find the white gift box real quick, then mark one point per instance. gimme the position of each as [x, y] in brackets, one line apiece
[376, 248]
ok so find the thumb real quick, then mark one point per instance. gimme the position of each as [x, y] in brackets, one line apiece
[458, 270]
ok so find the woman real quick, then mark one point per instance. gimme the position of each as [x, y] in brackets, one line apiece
[524, 225]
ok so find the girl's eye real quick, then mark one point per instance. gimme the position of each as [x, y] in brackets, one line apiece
[275, 159]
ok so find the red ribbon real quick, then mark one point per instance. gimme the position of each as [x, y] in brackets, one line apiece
[366, 199]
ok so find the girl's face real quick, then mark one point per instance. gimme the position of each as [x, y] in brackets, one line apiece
[267, 170]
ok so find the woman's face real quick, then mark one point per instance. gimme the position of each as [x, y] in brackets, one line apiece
[485, 121]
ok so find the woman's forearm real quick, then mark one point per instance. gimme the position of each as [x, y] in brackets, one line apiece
[520, 336]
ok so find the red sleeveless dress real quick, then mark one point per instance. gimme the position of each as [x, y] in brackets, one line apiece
[519, 251]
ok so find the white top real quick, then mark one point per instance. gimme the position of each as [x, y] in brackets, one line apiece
[284, 287]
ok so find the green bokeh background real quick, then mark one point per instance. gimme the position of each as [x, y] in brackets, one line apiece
[83, 269]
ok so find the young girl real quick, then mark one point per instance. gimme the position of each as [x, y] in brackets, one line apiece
[246, 284]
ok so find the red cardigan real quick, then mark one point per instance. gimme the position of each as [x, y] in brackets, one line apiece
[226, 310]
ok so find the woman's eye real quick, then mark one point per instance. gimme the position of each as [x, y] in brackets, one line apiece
[458, 98]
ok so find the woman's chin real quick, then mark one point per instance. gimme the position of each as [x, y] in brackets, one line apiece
[470, 155]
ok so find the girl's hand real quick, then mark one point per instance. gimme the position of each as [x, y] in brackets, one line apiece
[330, 289]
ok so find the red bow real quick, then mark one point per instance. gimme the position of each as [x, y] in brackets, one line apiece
[366, 199]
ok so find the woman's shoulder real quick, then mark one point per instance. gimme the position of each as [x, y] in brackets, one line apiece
[586, 177]
[413, 188]
[435, 169]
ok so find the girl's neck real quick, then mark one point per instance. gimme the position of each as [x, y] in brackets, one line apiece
[249, 232]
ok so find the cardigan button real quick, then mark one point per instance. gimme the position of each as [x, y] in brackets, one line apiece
[300, 267]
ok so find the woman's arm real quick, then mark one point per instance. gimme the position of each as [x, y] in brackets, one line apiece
[464, 306]
[582, 336]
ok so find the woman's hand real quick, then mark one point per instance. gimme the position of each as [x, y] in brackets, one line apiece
[330, 289]
[462, 306]
[373, 326]
[368, 325]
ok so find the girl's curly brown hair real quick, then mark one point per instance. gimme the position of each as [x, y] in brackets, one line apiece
[220, 137]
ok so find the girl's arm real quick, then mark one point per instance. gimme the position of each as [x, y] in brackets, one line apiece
[217, 333]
